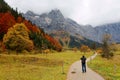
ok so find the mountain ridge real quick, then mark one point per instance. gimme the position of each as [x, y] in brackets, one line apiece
[54, 20]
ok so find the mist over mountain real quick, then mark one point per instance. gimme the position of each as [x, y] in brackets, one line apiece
[55, 21]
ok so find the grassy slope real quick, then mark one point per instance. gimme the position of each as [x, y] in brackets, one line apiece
[37, 67]
[109, 69]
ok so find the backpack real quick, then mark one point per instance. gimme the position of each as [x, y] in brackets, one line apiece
[83, 60]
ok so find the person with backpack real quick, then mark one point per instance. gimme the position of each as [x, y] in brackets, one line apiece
[83, 62]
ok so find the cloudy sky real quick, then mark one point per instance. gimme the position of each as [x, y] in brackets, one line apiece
[94, 12]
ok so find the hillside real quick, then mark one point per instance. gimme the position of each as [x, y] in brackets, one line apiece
[10, 17]
[4, 7]
[113, 29]
[71, 41]
[55, 20]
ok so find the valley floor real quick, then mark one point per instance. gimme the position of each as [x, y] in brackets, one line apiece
[54, 66]
[51, 66]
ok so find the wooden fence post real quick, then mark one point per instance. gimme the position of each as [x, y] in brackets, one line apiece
[115, 67]
[63, 68]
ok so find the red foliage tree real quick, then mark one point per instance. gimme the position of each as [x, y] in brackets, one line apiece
[19, 19]
[54, 42]
[6, 21]
[31, 27]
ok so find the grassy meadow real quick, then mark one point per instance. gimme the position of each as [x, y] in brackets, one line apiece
[109, 69]
[52, 66]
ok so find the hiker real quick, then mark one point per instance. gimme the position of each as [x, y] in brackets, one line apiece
[83, 62]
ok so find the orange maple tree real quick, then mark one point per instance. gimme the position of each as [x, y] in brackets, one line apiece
[6, 21]
[31, 27]
[19, 19]
[54, 42]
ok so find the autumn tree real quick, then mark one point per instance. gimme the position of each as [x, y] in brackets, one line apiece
[30, 26]
[54, 43]
[106, 46]
[99, 50]
[75, 49]
[84, 48]
[19, 19]
[6, 21]
[17, 38]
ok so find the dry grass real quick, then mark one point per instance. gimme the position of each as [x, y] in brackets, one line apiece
[110, 69]
[37, 67]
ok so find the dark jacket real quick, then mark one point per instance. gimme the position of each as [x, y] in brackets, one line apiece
[83, 60]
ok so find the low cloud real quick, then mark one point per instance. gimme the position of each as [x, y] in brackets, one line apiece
[94, 12]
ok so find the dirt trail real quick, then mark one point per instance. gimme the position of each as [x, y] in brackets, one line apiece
[75, 72]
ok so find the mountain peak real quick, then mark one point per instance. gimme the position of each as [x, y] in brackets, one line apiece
[54, 20]
[56, 13]
[30, 13]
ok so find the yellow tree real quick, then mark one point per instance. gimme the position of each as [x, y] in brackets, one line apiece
[17, 38]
